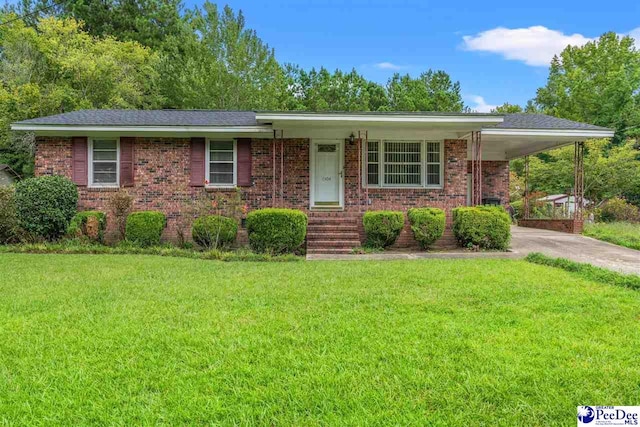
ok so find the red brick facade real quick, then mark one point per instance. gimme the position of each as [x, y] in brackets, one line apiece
[495, 179]
[563, 225]
[162, 172]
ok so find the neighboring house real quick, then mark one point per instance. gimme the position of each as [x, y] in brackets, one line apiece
[333, 166]
[7, 175]
[564, 202]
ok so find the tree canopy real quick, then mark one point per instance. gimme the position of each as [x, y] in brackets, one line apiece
[597, 83]
[58, 67]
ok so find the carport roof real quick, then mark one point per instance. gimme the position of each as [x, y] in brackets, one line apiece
[543, 121]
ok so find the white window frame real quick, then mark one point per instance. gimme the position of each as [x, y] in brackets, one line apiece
[90, 164]
[207, 169]
[381, 163]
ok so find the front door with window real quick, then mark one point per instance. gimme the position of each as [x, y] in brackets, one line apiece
[327, 173]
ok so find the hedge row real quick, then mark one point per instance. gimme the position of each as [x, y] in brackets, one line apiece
[486, 227]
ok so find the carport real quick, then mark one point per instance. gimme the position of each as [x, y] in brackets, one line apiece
[523, 135]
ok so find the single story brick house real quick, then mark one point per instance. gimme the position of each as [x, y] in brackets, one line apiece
[334, 166]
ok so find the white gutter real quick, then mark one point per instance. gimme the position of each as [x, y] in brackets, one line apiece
[395, 118]
[549, 132]
[154, 129]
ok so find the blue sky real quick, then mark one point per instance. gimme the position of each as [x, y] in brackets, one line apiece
[497, 50]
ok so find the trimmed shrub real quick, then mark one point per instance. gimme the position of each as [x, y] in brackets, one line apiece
[9, 228]
[213, 231]
[617, 209]
[382, 228]
[45, 205]
[89, 224]
[276, 231]
[427, 225]
[487, 227]
[145, 228]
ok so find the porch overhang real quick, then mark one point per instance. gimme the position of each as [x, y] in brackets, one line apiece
[449, 125]
[261, 131]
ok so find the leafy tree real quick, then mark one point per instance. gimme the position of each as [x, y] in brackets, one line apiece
[531, 107]
[597, 83]
[507, 108]
[608, 172]
[58, 67]
[218, 63]
[148, 22]
[431, 91]
[320, 90]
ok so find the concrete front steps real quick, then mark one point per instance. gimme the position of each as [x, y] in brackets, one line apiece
[332, 232]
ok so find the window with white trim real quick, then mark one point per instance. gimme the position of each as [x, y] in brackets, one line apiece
[104, 156]
[402, 163]
[396, 163]
[373, 162]
[221, 163]
[434, 163]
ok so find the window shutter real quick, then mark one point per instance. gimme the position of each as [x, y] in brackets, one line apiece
[80, 159]
[126, 161]
[244, 162]
[197, 162]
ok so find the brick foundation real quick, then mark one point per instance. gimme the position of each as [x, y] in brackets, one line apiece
[162, 171]
[563, 225]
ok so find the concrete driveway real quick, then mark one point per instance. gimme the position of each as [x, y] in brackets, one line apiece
[574, 247]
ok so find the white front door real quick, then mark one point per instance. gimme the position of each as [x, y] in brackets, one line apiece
[327, 173]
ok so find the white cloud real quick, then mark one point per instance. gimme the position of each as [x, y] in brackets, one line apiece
[388, 66]
[534, 45]
[635, 33]
[480, 104]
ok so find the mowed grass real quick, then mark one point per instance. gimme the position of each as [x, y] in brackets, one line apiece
[135, 340]
[619, 233]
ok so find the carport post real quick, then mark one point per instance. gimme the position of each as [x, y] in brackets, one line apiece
[476, 168]
[578, 181]
[526, 187]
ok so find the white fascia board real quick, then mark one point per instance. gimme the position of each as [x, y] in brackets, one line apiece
[378, 118]
[584, 133]
[148, 129]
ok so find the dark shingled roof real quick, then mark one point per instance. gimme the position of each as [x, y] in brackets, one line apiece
[542, 121]
[248, 118]
[149, 118]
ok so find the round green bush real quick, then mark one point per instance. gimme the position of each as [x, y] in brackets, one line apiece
[145, 228]
[382, 228]
[276, 231]
[427, 225]
[45, 205]
[77, 226]
[213, 231]
[487, 227]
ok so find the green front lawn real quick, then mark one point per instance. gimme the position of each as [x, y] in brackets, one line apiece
[130, 340]
[619, 233]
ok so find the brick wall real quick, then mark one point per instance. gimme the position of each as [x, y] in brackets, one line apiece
[495, 179]
[162, 170]
[563, 225]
